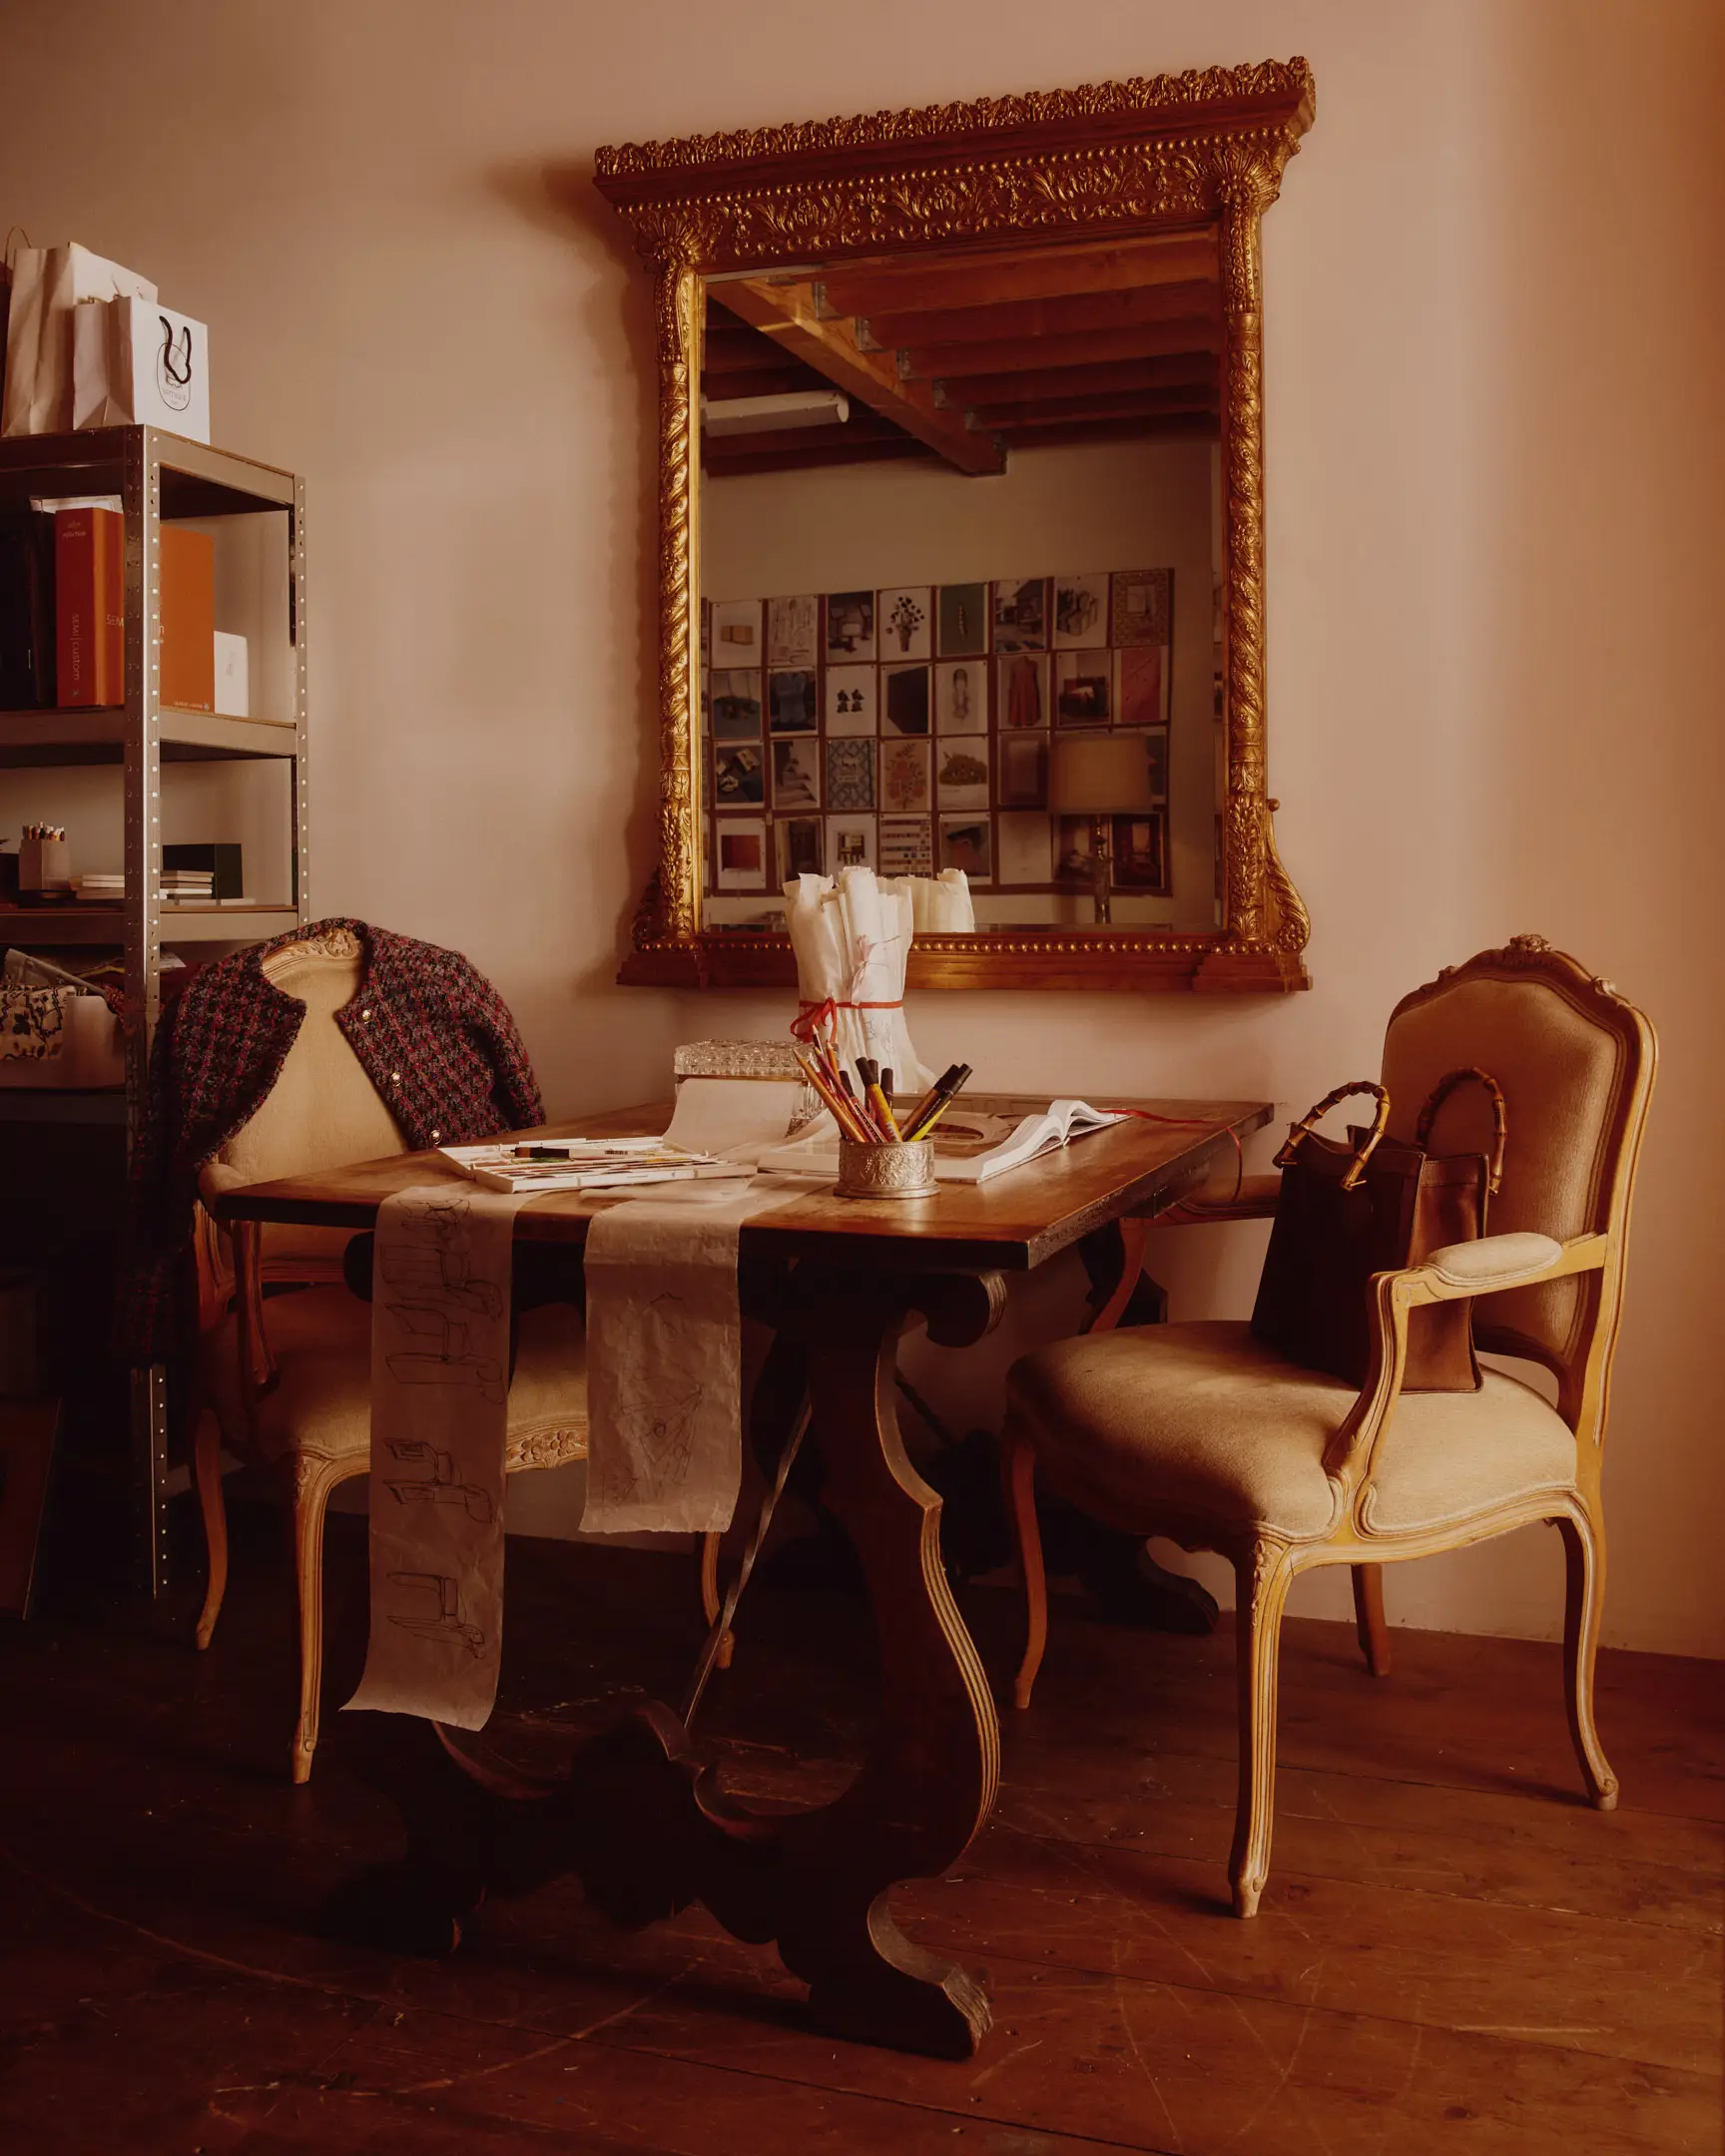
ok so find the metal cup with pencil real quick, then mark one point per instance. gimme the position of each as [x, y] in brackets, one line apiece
[880, 1154]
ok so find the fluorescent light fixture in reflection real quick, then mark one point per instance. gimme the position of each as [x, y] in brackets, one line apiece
[772, 414]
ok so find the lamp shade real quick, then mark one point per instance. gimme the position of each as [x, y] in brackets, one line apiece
[1099, 775]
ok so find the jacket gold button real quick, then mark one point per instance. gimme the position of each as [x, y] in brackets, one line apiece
[364, 1017]
[395, 1077]
[435, 1135]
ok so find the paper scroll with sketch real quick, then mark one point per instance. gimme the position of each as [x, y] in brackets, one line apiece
[440, 1415]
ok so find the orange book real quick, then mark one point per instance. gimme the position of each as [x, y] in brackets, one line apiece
[90, 606]
[188, 619]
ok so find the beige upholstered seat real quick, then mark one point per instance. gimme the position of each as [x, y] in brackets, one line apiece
[286, 1380]
[1202, 1432]
[320, 1405]
[1206, 1416]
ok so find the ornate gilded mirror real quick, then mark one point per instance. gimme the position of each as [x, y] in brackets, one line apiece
[961, 544]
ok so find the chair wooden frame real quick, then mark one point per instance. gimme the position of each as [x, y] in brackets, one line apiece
[1266, 1565]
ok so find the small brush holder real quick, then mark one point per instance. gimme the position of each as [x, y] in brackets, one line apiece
[884, 1171]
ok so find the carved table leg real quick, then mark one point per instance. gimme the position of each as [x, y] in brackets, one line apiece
[642, 1818]
[931, 1780]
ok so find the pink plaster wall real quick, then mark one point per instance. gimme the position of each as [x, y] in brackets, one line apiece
[1495, 464]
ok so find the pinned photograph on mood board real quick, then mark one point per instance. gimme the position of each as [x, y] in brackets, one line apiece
[1024, 767]
[851, 699]
[961, 775]
[1141, 687]
[962, 696]
[1142, 606]
[851, 843]
[799, 847]
[736, 632]
[851, 775]
[905, 695]
[966, 843]
[904, 626]
[849, 626]
[903, 776]
[741, 863]
[739, 776]
[1082, 686]
[793, 631]
[964, 621]
[796, 775]
[792, 703]
[1021, 614]
[1023, 692]
[906, 846]
[1081, 609]
[736, 700]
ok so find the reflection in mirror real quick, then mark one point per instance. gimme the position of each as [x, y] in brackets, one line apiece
[961, 547]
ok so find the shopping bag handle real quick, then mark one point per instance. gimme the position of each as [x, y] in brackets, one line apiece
[1442, 1091]
[1314, 1116]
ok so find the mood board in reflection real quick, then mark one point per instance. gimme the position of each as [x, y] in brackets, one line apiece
[916, 728]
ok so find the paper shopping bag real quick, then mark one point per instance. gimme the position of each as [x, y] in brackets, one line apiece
[47, 285]
[138, 363]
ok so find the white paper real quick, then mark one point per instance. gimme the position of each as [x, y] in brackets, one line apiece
[439, 1417]
[665, 1357]
[852, 936]
[734, 1117]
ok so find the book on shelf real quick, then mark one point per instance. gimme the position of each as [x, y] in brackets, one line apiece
[90, 607]
[220, 859]
[26, 611]
[188, 619]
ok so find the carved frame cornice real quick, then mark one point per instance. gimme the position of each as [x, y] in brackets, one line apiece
[1205, 148]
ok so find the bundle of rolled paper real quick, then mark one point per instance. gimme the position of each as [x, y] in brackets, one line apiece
[851, 936]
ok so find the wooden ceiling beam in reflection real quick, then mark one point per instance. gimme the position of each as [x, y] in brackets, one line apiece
[1023, 385]
[1161, 426]
[1022, 274]
[787, 315]
[1143, 403]
[1195, 300]
[1145, 341]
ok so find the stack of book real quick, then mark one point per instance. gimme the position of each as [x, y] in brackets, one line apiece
[189, 887]
[100, 888]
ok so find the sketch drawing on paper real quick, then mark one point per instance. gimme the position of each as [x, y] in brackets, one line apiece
[434, 1295]
[444, 1620]
[441, 1485]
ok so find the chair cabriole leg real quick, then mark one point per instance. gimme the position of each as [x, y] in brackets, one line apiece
[313, 1483]
[1584, 1569]
[1261, 1575]
[1369, 1618]
[1018, 1473]
[207, 1466]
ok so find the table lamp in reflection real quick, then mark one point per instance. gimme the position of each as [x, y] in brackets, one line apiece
[1101, 776]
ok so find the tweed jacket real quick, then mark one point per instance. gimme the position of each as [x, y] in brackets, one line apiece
[438, 1043]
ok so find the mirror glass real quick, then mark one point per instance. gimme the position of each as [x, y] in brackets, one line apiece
[961, 570]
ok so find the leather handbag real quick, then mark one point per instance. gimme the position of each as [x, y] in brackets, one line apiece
[1373, 1205]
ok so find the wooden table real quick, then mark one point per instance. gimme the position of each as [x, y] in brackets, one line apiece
[647, 1831]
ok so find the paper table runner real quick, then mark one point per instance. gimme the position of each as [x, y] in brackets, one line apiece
[665, 1357]
[439, 1417]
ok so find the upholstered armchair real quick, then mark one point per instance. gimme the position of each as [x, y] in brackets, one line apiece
[284, 1381]
[1200, 1433]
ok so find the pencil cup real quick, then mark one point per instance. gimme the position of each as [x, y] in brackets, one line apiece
[884, 1171]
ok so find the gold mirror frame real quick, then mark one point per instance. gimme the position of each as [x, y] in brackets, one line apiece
[1109, 160]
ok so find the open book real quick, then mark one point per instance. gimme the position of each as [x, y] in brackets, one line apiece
[576, 1164]
[969, 1146]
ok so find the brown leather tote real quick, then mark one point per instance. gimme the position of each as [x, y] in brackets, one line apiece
[1371, 1206]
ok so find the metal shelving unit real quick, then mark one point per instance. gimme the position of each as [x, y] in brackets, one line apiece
[158, 476]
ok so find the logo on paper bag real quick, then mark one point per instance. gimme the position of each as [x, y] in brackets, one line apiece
[174, 365]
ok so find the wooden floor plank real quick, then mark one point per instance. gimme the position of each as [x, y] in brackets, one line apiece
[1451, 1945]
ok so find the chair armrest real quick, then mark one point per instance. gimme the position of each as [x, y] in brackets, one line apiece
[1256, 1199]
[1491, 1264]
[1458, 1271]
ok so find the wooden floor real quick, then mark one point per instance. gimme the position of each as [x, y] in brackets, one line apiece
[1453, 1952]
